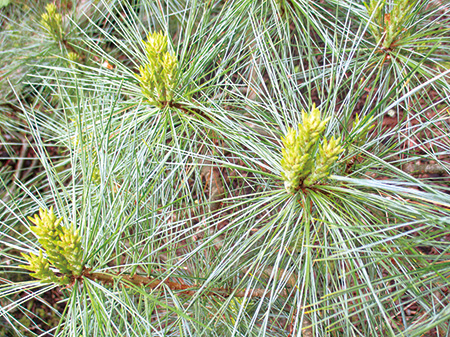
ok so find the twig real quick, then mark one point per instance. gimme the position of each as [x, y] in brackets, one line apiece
[426, 168]
[152, 283]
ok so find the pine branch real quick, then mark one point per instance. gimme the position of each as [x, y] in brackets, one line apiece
[152, 283]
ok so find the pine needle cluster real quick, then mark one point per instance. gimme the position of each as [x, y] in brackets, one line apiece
[155, 125]
[388, 26]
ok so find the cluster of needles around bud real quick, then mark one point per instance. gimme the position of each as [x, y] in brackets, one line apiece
[387, 27]
[62, 247]
[302, 167]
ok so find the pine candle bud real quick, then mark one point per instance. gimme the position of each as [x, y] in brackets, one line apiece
[73, 58]
[293, 161]
[311, 128]
[51, 21]
[156, 45]
[157, 77]
[170, 64]
[40, 268]
[48, 230]
[300, 166]
[361, 128]
[328, 154]
[62, 246]
[70, 242]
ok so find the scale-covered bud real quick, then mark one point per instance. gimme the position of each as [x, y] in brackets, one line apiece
[311, 128]
[158, 76]
[293, 161]
[170, 65]
[301, 166]
[40, 268]
[47, 229]
[62, 246]
[74, 59]
[328, 154]
[360, 128]
[156, 44]
[51, 21]
[70, 242]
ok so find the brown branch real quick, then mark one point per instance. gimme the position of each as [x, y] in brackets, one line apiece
[152, 283]
[187, 110]
[68, 46]
[137, 280]
[425, 168]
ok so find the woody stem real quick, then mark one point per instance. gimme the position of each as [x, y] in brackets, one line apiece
[152, 283]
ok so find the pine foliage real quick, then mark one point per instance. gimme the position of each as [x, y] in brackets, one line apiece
[225, 168]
